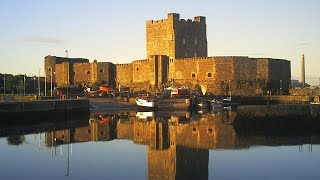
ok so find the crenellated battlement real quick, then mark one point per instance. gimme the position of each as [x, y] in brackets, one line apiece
[141, 61]
[194, 58]
[229, 57]
[199, 19]
[127, 64]
[80, 64]
[176, 18]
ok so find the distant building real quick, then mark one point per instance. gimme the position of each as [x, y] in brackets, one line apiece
[298, 84]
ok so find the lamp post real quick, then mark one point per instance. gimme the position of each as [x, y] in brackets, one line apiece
[24, 85]
[34, 84]
[66, 53]
[39, 90]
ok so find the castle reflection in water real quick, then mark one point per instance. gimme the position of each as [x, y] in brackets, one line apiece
[178, 143]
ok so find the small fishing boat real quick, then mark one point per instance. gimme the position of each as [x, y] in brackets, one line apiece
[144, 115]
[145, 102]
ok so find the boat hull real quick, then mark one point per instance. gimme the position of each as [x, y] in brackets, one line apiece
[145, 103]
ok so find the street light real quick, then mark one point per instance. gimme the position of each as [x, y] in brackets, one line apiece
[24, 84]
[34, 84]
[66, 53]
[39, 87]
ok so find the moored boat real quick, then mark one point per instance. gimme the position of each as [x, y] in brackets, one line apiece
[145, 102]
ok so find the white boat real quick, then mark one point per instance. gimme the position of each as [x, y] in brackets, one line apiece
[145, 102]
[144, 115]
[315, 103]
[227, 99]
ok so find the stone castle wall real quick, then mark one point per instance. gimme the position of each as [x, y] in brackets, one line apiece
[177, 38]
[93, 72]
[141, 71]
[124, 74]
[83, 72]
[177, 55]
[50, 63]
[279, 74]
[62, 74]
[67, 73]
[216, 73]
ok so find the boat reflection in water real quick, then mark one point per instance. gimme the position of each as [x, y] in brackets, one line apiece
[178, 143]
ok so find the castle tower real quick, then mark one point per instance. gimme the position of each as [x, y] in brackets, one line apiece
[177, 38]
[303, 75]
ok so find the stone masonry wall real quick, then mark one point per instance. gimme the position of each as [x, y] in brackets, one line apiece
[176, 38]
[62, 77]
[279, 74]
[216, 73]
[191, 38]
[82, 72]
[51, 61]
[124, 74]
[141, 71]
[160, 36]
[242, 75]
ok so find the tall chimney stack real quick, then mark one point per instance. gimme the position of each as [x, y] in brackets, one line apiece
[303, 73]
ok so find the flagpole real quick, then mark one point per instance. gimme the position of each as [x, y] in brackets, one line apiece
[39, 91]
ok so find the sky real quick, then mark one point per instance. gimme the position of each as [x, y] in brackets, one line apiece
[114, 30]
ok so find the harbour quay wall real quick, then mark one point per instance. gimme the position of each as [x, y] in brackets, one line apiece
[293, 111]
[280, 118]
[47, 110]
[288, 99]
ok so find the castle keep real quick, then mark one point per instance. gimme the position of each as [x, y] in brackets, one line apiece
[176, 51]
[177, 38]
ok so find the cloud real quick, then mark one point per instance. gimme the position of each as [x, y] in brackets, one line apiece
[46, 40]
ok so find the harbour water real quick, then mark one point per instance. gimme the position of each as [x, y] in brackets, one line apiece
[158, 145]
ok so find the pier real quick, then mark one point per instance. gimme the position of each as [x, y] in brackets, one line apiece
[34, 111]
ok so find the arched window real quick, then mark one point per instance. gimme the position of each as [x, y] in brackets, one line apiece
[88, 72]
[101, 70]
[209, 74]
[193, 75]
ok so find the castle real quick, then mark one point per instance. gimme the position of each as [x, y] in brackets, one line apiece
[177, 55]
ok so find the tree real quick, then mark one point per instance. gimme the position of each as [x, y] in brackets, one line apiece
[16, 140]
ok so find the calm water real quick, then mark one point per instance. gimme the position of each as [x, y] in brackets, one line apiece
[147, 145]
